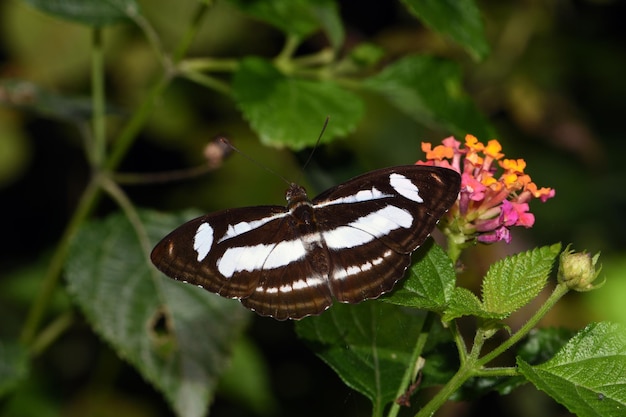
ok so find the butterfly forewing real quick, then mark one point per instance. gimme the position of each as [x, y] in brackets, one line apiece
[195, 252]
[388, 225]
[429, 193]
[352, 242]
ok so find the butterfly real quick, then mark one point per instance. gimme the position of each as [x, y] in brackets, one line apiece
[350, 243]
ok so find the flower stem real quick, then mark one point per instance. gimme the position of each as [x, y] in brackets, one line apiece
[473, 364]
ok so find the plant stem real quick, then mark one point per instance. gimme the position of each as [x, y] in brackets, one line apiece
[466, 370]
[96, 154]
[192, 30]
[447, 390]
[98, 150]
[409, 373]
[208, 64]
[52, 332]
[559, 291]
[93, 191]
[122, 200]
[473, 364]
[140, 116]
[458, 341]
[291, 44]
[136, 123]
[53, 273]
[496, 372]
[208, 81]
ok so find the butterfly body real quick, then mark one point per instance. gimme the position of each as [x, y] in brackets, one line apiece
[350, 243]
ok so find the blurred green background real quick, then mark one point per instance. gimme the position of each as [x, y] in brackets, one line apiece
[553, 87]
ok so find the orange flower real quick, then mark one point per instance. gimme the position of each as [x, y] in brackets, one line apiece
[488, 204]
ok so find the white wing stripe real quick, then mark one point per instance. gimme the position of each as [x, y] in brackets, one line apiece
[297, 285]
[345, 237]
[359, 197]
[405, 187]
[272, 256]
[341, 273]
[244, 227]
[284, 253]
[203, 241]
[367, 228]
[257, 257]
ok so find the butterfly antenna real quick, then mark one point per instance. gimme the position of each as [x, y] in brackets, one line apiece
[226, 142]
[317, 142]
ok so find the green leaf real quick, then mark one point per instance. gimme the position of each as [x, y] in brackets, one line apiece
[430, 90]
[464, 303]
[458, 19]
[430, 282]
[14, 366]
[291, 112]
[89, 12]
[369, 345]
[177, 336]
[512, 282]
[588, 375]
[297, 17]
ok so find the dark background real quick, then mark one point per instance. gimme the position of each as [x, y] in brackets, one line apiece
[553, 87]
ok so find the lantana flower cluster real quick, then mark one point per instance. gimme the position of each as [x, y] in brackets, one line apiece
[491, 200]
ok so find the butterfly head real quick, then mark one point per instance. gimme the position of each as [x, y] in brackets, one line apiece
[295, 194]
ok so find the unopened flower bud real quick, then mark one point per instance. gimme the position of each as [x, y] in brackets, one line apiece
[578, 270]
[216, 151]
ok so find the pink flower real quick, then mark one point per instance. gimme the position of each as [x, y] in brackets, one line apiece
[494, 191]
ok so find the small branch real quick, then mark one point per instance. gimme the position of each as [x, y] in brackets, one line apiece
[153, 40]
[192, 30]
[208, 65]
[98, 150]
[132, 128]
[459, 342]
[51, 333]
[208, 81]
[559, 291]
[117, 194]
[409, 373]
[447, 390]
[129, 178]
[289, 48]
[323, 57]
[90, 197]
[136, 123]
[496, 372]
[53, 273]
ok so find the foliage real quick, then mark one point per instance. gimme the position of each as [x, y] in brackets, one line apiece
[188, 344]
